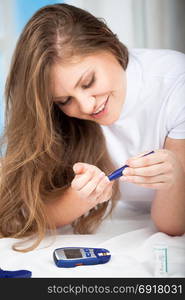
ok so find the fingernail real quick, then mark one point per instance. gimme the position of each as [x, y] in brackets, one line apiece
[74, 168]
[77, 168]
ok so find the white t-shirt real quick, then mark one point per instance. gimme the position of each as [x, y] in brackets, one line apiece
[154, 108]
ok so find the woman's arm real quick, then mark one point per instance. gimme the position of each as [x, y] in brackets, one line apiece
[89, 187]
[168, 209]
[66, 208]
[163, 171]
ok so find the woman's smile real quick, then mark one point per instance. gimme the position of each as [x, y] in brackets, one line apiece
[101, 111]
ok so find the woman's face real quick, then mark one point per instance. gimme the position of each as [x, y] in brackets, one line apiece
[91, 87]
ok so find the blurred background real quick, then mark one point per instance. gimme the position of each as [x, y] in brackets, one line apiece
[138, 24]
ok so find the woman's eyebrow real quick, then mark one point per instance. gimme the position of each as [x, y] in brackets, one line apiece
[79, 80]
[81, 77]
[58, 99]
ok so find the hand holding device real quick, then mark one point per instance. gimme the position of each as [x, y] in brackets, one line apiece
[162, 170]
[119, 172]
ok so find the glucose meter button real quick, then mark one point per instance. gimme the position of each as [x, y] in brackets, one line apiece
[86, 250]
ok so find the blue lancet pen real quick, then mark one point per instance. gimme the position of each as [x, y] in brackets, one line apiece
[118, 173]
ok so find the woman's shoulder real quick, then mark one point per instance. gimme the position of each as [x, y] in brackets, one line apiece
[159, 62]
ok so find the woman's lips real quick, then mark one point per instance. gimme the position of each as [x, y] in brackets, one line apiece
[102, 112]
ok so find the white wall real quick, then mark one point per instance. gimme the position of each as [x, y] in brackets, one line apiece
[7, 43]
[7, 30]
[142, 23]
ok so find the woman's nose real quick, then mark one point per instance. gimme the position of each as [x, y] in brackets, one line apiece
[87, 104]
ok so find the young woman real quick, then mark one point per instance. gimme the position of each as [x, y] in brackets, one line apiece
[79, 105]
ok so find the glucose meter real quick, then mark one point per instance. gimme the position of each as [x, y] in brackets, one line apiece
[68, 257]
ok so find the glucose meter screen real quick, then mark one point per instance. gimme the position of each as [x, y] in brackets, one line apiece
[73, 253]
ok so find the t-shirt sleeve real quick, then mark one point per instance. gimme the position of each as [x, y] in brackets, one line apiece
[176, 111]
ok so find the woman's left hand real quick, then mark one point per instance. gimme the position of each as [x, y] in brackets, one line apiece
[159, 170]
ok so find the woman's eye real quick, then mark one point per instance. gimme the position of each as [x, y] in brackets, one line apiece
[65, 102]
[86, 86]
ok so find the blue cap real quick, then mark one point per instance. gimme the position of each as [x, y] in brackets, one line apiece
[118, 173]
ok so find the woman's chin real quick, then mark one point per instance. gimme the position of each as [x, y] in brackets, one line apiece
[109, 120]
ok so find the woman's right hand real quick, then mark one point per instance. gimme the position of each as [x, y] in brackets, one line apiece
[91, 184]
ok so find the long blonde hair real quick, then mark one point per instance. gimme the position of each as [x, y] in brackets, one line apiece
[40, 143]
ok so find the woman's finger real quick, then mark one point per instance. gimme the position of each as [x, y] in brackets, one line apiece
[80, 168]
[81, 180]
[159, 156]
[102, 185]
[106, 195]
[145, 180]
[91, 185]
[84, 173]
[152, 170]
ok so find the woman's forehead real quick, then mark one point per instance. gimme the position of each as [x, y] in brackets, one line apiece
[78, 59]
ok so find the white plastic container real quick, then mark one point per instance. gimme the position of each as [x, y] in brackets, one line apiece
[161, 260]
